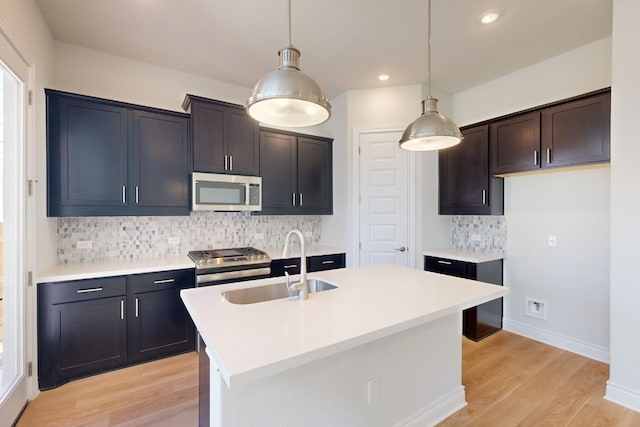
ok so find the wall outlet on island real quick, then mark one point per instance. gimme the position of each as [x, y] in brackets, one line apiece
[372, 390]
[174, 240]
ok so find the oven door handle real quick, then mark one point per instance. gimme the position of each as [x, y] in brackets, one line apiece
[228, 275]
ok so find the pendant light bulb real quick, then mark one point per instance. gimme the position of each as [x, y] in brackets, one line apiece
[432, 130]
[287, 97]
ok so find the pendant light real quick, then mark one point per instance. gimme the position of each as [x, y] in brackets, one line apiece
[287, 97]
[432, 130]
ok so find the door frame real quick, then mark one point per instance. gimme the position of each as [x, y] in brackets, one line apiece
[19, 57]
[413, 197]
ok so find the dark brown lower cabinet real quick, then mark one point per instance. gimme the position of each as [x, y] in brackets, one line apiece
[482, 320]
[95, 325]
[314, 263]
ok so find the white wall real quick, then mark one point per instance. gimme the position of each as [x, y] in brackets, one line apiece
[388, 107]
[573, 277]
[624, 381]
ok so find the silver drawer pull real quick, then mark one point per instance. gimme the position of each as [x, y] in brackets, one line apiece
[328, 262]
[444, 262]
[137, 307]
[162, 282]
[291, 266]
[86, 291]
[121, 309]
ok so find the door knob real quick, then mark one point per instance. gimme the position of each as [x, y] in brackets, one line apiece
[402, 249]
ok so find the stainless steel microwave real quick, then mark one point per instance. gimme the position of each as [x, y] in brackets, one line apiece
[218, 192]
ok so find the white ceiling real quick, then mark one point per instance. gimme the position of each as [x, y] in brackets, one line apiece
[345, 44]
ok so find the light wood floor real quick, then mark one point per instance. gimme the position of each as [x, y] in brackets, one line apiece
[509, 380]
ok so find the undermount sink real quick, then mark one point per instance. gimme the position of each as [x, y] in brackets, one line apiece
[272, 292]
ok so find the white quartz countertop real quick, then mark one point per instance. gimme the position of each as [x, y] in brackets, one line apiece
[248, 342]
[467, 256]
[91, 270]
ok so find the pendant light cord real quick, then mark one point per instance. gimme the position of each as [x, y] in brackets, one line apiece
[289, 39]
[428, 48]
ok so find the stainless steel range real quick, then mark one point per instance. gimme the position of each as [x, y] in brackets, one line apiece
[218, 266]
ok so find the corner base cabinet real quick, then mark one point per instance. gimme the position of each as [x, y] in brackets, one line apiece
[482, 320]
[95, 325]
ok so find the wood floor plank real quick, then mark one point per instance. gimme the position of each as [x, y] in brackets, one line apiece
[510, 381]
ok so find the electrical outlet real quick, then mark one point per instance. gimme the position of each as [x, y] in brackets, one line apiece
[372, 390]
[475, 238]
[553, 240]
[84, 244]
[308, 234]
[536, 308]
[174, 240]
[259, 236]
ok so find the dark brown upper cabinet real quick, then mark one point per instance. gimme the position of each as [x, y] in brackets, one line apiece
[573, 132]
[225, 139]
[108, 158]
[465, 184]
[297, 173]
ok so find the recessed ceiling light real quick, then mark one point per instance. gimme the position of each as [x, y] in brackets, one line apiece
[384, 77]
[489, 16]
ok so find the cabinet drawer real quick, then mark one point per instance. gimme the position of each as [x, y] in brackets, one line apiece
[447, 266]
[82, 290]
[326, 262]
[289, 265]
[171, 279]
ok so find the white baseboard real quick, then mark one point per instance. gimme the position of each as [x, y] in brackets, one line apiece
[622, 396]
[573, 345]
[436, 411]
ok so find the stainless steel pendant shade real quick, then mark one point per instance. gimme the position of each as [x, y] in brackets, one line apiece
[432, 130]
[287, 97]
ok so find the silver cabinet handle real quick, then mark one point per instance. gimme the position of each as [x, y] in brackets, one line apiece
[328, 262]
[137, 194]
[291, 266]
[226, 162]
[161, 282]
[121, 309]
[230, 163]
[484, 197]
[86, 291]
[124, 195]
[548, 155]
[535, 157]
[300, 199]
[401, 249]
[294, 198]
[137, 307]
[444, 262]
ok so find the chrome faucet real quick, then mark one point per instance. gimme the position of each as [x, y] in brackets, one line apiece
[302, 286]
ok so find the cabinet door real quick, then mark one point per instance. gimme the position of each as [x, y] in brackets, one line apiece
[315, 181]
[465, 186]
[81, 329]
[450, 267]
[515, 144]
[86, 157]
[160, 163]
[159, 324]
[243, 145]
[279, 171]
[577, 132]
[207, 124]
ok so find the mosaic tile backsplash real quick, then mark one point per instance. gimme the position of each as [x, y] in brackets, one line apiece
[492, 232]
[131, 238]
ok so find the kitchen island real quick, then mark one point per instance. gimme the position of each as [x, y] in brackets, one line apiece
[382, 349]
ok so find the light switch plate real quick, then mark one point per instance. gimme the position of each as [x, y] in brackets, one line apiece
[553, 240]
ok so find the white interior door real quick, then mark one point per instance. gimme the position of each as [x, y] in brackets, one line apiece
[13, 378]
[384, 199]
